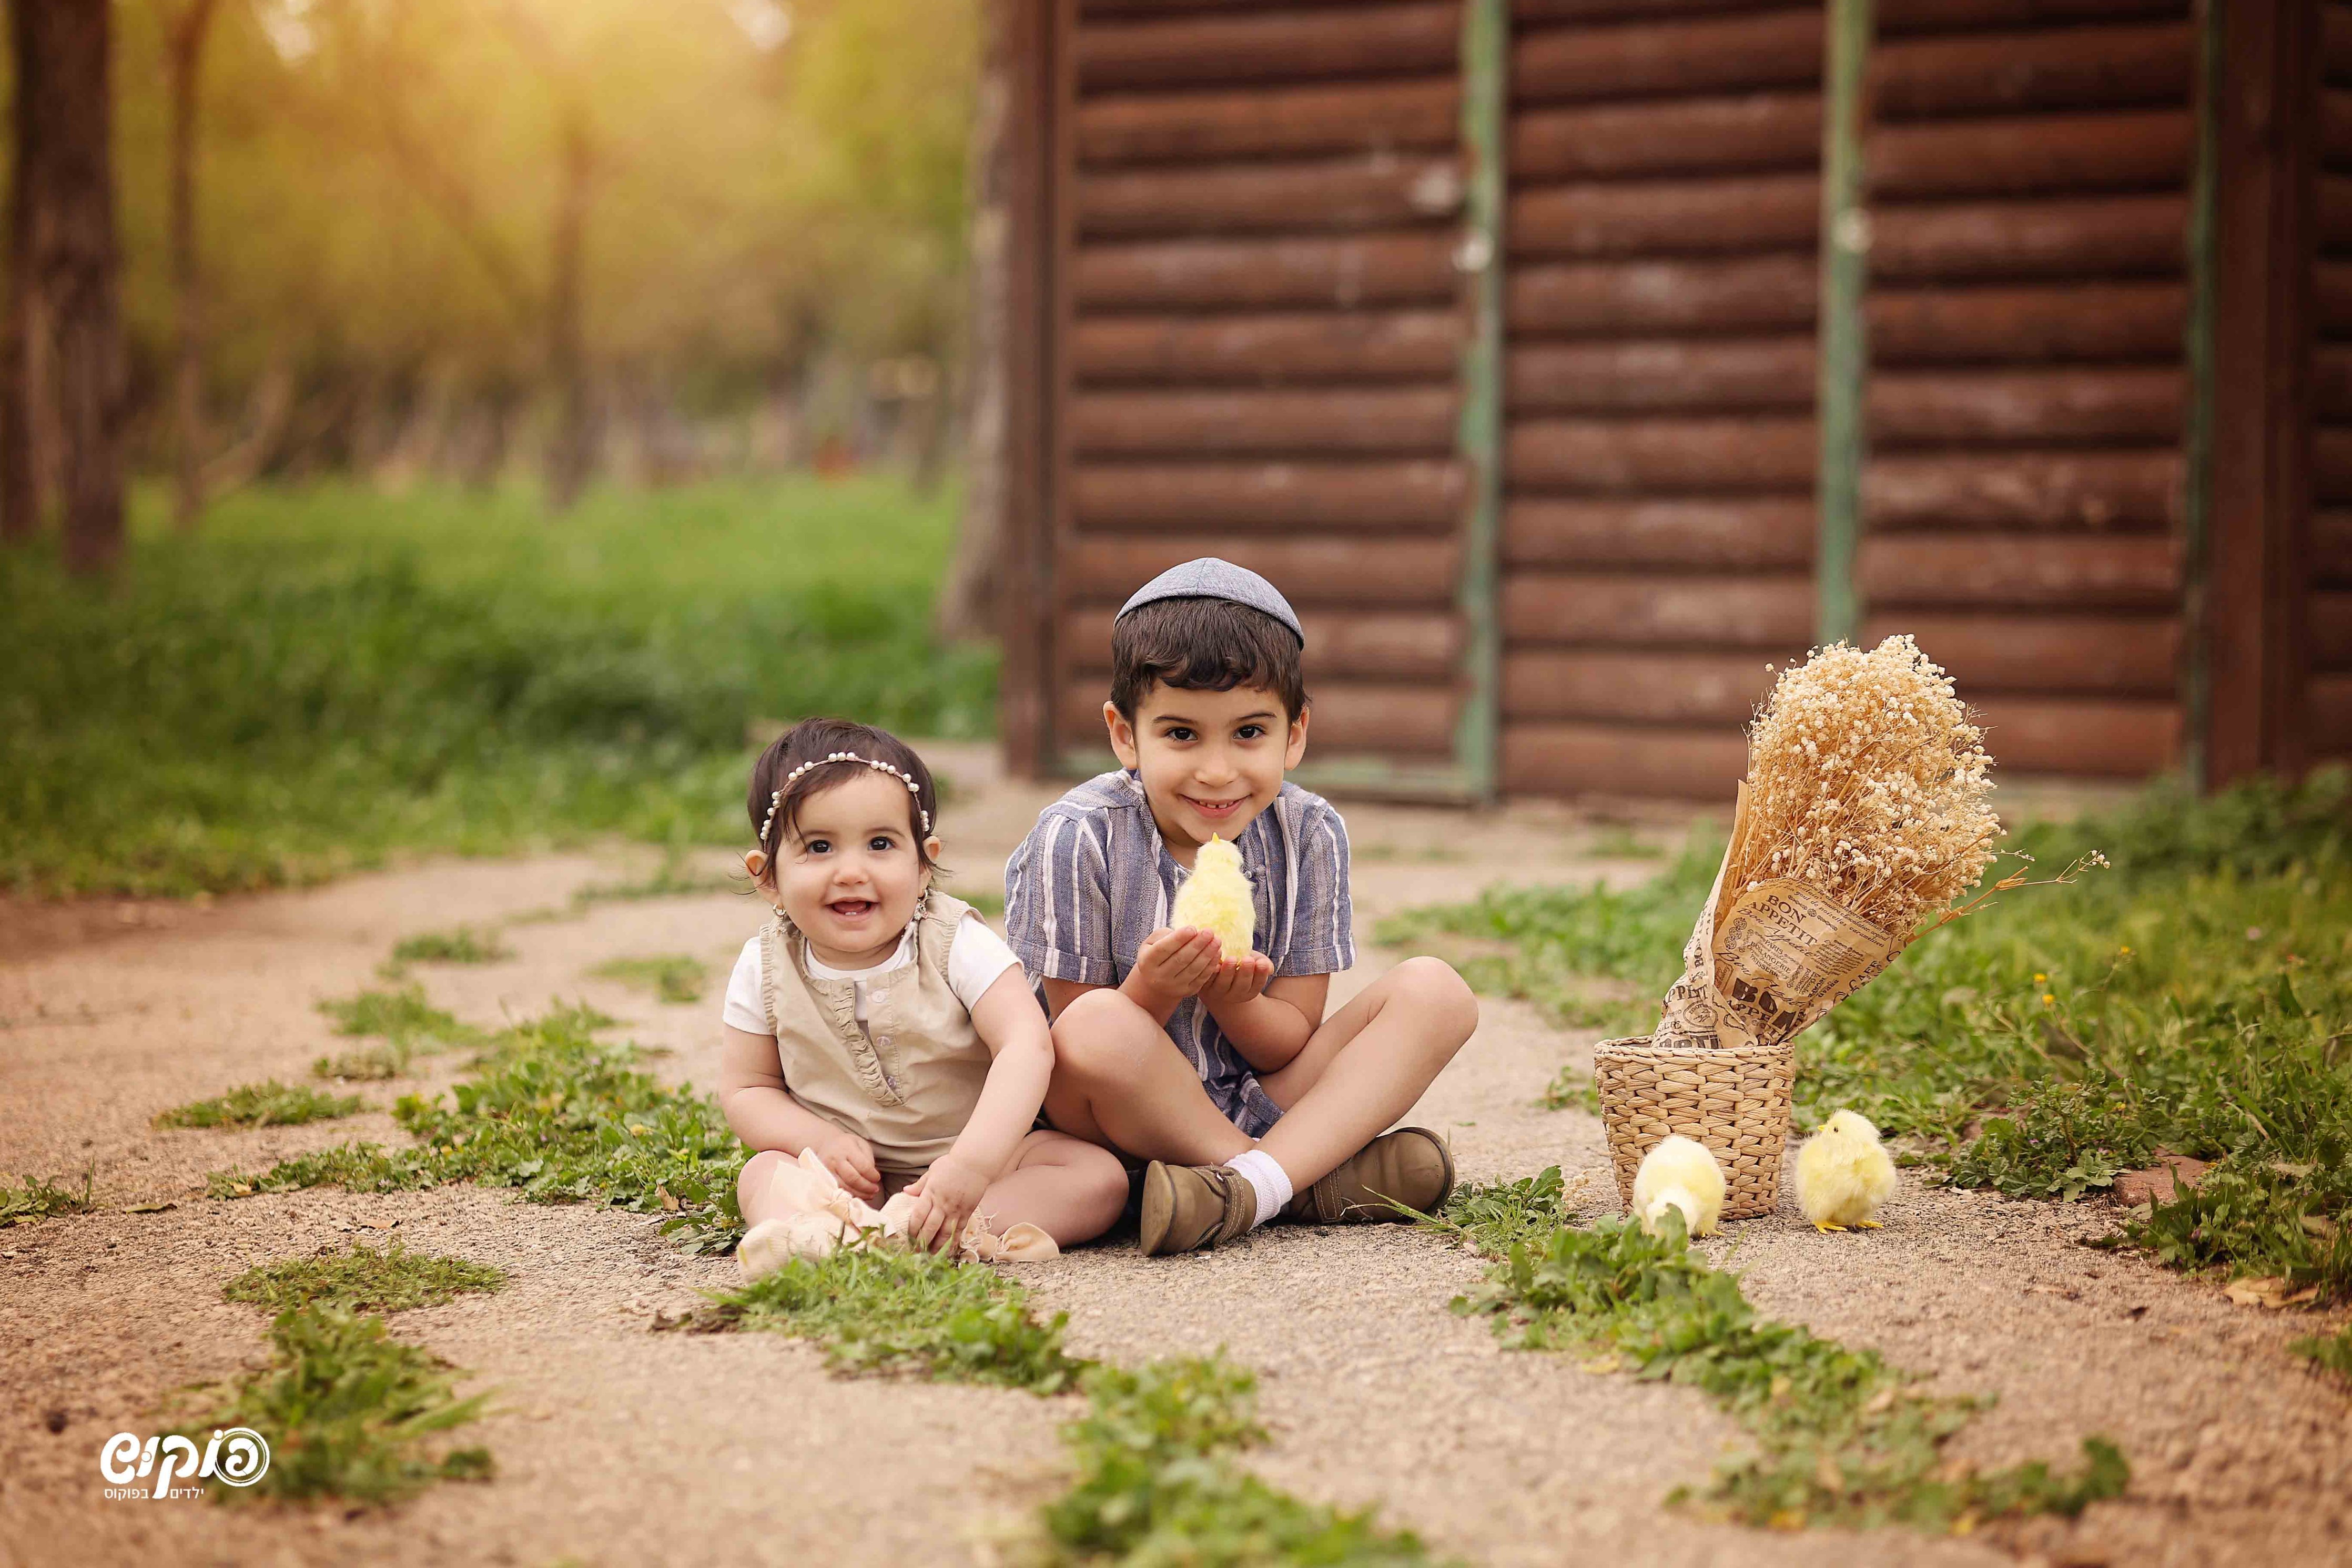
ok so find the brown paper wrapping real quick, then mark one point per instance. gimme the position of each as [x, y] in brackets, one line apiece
[1763, 965]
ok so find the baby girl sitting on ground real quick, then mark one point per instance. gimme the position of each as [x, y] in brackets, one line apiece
[879, 1035]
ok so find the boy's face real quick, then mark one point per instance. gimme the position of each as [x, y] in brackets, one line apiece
[1210, 761]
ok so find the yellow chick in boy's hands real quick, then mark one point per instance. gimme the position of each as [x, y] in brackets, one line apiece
[1842, 1175]
[1216, 899]
[1680, 1173]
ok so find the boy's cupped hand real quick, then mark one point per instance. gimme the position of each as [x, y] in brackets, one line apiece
[850, 1158]
[1176, 962]
[1237, 981]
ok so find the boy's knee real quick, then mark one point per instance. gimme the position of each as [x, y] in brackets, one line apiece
[1432, 986]
[1101, 1031]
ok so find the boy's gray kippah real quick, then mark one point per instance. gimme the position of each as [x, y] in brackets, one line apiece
[1210, 578]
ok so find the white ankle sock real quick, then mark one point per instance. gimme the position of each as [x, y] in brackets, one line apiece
[1266, 1178]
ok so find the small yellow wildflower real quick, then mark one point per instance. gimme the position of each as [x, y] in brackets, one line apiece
[2039, 979]
[2047, 999]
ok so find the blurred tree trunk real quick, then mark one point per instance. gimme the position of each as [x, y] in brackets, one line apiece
[967, 599]
[570, 455]
[65, 74]
[184, 64]
[20, 493]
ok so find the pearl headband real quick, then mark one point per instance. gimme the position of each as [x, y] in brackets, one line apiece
[913, 789]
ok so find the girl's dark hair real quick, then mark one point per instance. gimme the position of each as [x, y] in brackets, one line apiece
[813, 738]
[1202, 645]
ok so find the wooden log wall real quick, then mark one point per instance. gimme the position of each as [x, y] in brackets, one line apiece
[2325, 566]
[1658, 525]
[2028, 165]
[1260, 341]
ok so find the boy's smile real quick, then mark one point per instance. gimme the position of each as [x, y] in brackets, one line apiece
[1210, 761]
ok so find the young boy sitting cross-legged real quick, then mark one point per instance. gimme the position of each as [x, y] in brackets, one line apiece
[1226, 1076]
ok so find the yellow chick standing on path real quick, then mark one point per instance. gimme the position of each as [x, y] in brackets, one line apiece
[1680, 1173]
[1216, 899]
[1842, 1176]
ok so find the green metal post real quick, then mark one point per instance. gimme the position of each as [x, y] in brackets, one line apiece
[2196, 688]
[1844, 359]
[1486, 69]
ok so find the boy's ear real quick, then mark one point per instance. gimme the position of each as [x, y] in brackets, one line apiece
[1296, 746]
[1122, 737]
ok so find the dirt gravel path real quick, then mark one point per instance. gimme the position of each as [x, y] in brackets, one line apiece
[618, 1446]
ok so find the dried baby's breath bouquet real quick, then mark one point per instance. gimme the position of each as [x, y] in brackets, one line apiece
[1866, 810]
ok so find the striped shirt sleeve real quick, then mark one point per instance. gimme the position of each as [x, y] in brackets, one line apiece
[1058, 901]
[1323, 940]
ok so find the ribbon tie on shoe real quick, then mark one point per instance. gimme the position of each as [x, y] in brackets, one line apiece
[816, 1216]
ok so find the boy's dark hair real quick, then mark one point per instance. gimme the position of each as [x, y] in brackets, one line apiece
[1202, 645]
[813, 738]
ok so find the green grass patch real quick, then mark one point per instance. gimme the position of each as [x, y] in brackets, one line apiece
[673, 879]
[349, 1413]
[407, 1026]
[362, 1280]
[560, 1117]
[1839, 1436]
[880, 1310]
[1159, 1483]
[1572, 1089]
[267, 1105]
[40, 1199]
[2194, 999]
[674, 977]
[338, 676]
[466, 944]
[2330, 1352]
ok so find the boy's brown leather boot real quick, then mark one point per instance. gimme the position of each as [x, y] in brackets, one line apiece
[1190, 1206]
[1410, 1165]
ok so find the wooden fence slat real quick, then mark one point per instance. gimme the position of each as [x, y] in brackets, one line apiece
[2328, 630]
[2327, 707]
[1370, 269]
[1759, 453]
[2331, 464]
[1536, 13]
[2332, 287]
[2125, 572]
[1698, 535]
[1555, 759]
[1750, 610]
[1899, 16]
[2331, 380]
[2086, 237]
[1277, 46]
[1656, 687]
[1350, 718]
[2026, 490]
[1957, 407]
[1267, 350]
[1392, 572]
[1387, 420]
[1995, 73]
[1359, 117]
[1662, 217]
[1613, 299]
[2116, 151]
[2335, 44]
[2113, 654]
[1343, 645]
[2335, 212]
[1353, 496]
[2336, 128]
[1710, 135]
[1358, 193]
[1676, 374]
[2331, 548]
[2111, 737]
[1701, 54]
[2119, 320]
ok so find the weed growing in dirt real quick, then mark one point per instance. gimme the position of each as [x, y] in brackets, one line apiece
[2192, 1000]
[268, 1104]
[563, 1117]
[881, 1310]
[1158, 1483]
[40, 1199]
[674, 977]
[362, 1280]
[1841, 1437]
[350, 1412]
[466, 944]
[673, 879]
[410, 1027]
[1572, 1089]
[2330, 1352]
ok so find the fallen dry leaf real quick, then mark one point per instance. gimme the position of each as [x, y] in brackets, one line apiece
[2268, 1292]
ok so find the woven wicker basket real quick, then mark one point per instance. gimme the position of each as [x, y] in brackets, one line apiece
[1736, 1101]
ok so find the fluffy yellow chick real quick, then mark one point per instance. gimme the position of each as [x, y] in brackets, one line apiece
[1216, 898]
[1680, 1173]
[1842, 1176]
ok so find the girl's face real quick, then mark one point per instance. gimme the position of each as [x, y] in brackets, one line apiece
[849, 876]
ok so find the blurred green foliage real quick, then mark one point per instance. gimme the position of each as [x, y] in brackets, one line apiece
[330, 674]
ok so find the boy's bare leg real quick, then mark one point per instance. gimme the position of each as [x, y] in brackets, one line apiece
[1120, 1082]
[1365, 1067]
[1066, 1186]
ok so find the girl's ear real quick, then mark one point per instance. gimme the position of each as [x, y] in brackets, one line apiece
[931, 848]
[756, 863]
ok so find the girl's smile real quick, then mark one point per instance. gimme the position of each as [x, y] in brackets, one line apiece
[849, 873]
